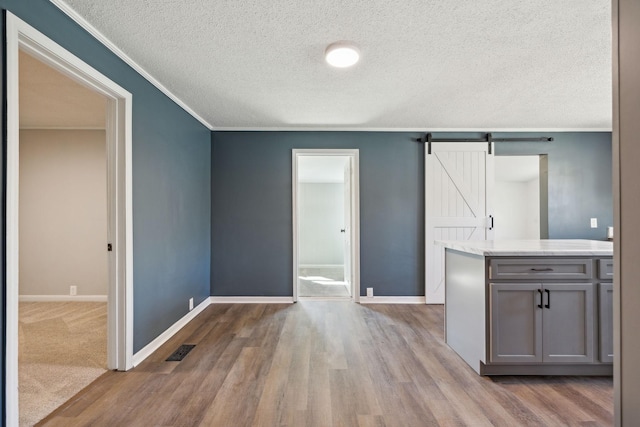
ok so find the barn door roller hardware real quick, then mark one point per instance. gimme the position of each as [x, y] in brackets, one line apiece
[427, 138]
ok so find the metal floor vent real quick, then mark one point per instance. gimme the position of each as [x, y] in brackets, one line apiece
[180, 353]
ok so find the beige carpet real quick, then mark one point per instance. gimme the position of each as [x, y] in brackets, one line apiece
[62, 349]
[322, 282]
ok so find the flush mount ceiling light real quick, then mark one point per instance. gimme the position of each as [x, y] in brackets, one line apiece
[342, 54]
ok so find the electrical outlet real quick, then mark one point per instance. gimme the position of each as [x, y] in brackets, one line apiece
[369, 292]
[594, 222]
[73, 290]
[190, 304]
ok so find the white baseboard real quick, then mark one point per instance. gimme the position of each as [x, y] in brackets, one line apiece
[62, 298]
[148, 349]
[392, 300]
[321, 266]
[251, 300]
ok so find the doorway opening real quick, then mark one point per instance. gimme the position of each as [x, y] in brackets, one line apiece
[326, 261]
[21, 37]
[63, 233]
[519, 202]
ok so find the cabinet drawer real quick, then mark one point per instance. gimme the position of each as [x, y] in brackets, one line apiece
[540, 268]
[605, 269]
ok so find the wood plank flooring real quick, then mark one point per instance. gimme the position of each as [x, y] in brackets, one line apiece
[333, 363]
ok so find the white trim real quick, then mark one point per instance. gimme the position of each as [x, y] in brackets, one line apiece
[148, 349]
[119, 53]
[392, 300]
[294, 222]
[251, 300]
[354, 154]
[325, 298]
[321, 265]
[63, 298]
[119, 135]
[421, 130]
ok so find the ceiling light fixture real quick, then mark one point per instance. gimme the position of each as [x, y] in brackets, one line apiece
[342, 54]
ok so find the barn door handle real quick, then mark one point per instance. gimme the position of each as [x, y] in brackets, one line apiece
[490, 222]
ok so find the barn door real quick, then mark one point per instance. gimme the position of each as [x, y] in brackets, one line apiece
[458, 183]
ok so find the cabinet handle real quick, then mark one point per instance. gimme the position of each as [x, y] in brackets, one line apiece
[540, 304]
[542, 269]
[548, 304]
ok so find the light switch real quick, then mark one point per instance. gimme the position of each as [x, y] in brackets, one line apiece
[594, 222]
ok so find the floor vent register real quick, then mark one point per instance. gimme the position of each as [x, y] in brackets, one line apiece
[180, 353]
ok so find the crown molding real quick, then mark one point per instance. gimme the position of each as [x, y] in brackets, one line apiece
[420, 130]
[119, 53]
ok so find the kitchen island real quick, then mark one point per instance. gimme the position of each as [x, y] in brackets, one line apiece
[530, 307]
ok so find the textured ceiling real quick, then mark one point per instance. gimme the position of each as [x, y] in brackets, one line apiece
[438, 64]
[50, 100]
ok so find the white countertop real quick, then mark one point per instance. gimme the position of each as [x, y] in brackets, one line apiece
[530, 247]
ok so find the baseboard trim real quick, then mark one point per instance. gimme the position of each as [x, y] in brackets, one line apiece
[148, 349]
[321, 266]
[251, 300]
[62, 298]
[392, 300]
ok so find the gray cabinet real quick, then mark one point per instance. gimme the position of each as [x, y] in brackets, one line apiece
[605, 309]
[567, 323]
[516, 323]
[540, 269]
[513, 312]
[605, 269]
[541, 323]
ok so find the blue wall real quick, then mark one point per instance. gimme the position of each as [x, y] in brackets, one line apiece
[171, 182]
[251, 203]
[580, 181]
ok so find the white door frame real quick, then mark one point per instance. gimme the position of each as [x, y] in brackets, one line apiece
[21, 36]
[354, 154]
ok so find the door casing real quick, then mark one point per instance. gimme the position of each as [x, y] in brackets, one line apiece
[21, 36]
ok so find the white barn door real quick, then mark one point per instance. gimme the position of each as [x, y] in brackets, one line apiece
[458, 183]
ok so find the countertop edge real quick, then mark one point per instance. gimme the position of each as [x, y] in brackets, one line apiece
[478, 249]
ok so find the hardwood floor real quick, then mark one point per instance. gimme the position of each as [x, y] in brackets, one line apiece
[332, 363]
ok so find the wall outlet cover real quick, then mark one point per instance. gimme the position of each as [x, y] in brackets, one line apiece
[73, 290]
[594, 222]
[370, 292]
[190, 304]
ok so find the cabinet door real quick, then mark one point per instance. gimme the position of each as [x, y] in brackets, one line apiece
[568, 331]
[605, 307]
[516, 323]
